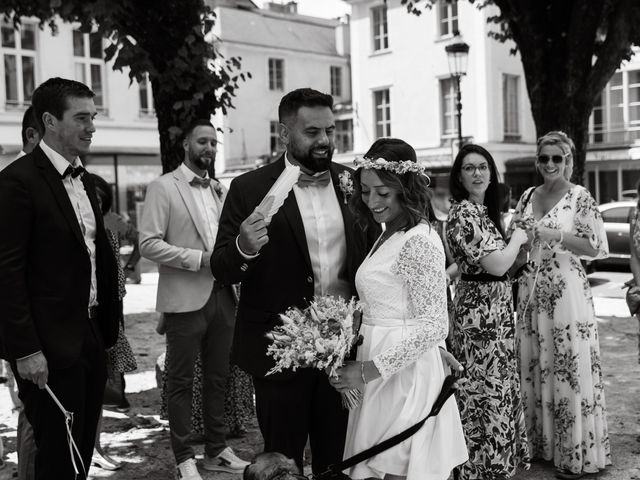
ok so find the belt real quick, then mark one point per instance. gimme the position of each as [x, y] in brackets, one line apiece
[483, 277]
[92, 312]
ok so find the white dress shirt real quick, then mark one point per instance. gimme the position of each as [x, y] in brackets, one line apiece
[82, 208]
[324, 231]
[207, 207]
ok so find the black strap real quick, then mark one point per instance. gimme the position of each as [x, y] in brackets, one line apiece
[483, 277]
[448, 389]
[526, 200]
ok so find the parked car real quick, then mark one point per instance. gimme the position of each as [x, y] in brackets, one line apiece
[616, 217]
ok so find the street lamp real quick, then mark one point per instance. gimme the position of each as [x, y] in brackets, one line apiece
[457, 55]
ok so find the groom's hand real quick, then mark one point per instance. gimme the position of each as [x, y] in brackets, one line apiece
[34, 369]
[253, 234]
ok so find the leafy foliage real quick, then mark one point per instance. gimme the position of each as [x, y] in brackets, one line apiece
[166, 40]
[569, 50]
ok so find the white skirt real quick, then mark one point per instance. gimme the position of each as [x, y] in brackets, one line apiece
[395, 404]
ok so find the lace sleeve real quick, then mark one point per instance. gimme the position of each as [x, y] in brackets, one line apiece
[421, 265]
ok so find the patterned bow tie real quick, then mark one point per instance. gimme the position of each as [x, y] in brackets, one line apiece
[322, 180]
[75, 172]
[200, 182]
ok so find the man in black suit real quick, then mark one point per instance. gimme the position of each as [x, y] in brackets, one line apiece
[311, 247]
[58, 286]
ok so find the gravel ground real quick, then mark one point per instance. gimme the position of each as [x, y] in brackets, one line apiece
[140, 439]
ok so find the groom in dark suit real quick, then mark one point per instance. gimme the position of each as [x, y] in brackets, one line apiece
[312, 246]
[58, 284]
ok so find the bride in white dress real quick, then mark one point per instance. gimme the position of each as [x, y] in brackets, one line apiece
[402, 285]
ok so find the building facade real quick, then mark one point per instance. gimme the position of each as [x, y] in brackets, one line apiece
[402, 85]
[613, 159]
[283, 51]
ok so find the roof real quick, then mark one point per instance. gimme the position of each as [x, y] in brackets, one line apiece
[278, 30]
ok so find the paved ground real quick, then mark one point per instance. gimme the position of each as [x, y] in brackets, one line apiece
[140, 438]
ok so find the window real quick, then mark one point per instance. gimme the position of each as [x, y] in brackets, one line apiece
[616, 114]
[275, 144]
[88, 63]
[448, 17]
[448, 107]
[336, 81]
[19, 58]
[344, 136]
[276, 74]
[146, 97]
[510, 102]
[379, 28]
[382, 113]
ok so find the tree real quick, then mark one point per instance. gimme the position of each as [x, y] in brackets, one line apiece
[166, 40]
[569, 50]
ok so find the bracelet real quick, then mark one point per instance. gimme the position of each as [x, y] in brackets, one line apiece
[362, 373]
[561, 237]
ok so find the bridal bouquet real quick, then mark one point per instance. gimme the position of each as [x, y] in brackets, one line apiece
[320, 336]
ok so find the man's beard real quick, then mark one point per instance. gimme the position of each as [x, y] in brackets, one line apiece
[201, 162]
[308, 161]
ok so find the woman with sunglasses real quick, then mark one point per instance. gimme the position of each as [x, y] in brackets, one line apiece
[562, 384]
[482, 331]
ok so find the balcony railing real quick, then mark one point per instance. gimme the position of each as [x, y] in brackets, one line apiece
[619, 136]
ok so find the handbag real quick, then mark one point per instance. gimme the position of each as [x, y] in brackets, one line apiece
[334, 472]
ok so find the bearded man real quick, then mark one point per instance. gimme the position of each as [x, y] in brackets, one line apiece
[312, 246]
[178, 229]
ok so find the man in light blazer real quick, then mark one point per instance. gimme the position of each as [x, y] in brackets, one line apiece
[178, 229]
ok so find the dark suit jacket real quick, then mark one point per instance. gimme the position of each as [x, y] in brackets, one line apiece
[45, 270]
[281, 276]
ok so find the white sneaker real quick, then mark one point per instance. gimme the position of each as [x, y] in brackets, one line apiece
[225, 461]
[187, 470]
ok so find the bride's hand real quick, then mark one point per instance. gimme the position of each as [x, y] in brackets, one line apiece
[347, 377]
[449, 361]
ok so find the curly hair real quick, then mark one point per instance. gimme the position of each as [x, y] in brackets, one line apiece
[492, 197]
[411, 188]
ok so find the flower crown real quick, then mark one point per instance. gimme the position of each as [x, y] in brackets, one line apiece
[404, 166]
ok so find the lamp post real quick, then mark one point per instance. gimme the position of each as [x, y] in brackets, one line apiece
[457, 55]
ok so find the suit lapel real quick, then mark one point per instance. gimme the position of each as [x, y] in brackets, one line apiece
[52, 177]
[292, 212]
[218, 197]
[347, 218]
[187, 196]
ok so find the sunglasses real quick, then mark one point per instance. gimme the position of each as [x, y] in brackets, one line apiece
[557, 159]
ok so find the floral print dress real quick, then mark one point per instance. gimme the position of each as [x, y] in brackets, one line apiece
[561, 374]
[482, 337]
[635, 238]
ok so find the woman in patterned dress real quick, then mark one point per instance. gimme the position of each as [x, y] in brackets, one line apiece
[120, 357]
[561, 376]
[403, 287]
[634, 248]
[482, 333]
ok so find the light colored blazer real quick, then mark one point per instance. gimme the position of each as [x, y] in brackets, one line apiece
[172, 235]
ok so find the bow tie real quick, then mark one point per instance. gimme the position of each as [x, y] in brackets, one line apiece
[75, 172]
[322, 180]
[200, 182]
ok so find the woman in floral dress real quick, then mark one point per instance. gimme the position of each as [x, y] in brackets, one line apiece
[482, 328]
[634, 248]
[561, 376]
